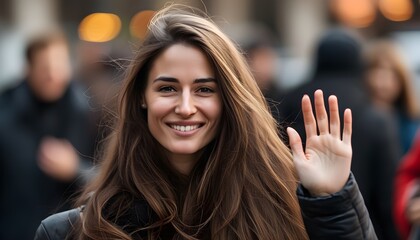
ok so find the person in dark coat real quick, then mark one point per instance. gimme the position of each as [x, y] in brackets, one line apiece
[338, 71]
[45, 140]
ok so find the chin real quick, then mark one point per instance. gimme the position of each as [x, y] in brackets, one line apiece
[50, 96]
[184, 149]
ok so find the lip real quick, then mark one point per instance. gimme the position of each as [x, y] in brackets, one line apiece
[185, 123]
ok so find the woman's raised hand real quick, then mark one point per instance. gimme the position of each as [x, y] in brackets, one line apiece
[324, 166]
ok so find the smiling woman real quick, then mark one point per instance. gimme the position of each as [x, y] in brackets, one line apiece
[196, 155]
[183, 104]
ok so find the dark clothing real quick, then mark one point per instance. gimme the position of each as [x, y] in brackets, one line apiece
[342, 215]
[407, 128]
[58, 226]
[28, 195]
[374, 139]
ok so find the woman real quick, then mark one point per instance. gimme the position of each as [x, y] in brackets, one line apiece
[195, 153]
[391, 89]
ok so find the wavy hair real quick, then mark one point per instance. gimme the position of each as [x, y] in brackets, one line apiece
[242, 187]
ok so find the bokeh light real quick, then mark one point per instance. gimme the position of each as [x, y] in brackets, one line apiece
[99, 27]
[354, 13]
[139, 23]
[396, 10]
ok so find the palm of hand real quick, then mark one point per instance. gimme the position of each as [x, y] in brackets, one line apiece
[324, 166]
[327, 159]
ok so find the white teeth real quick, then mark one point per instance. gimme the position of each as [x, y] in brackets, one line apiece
[184, 128]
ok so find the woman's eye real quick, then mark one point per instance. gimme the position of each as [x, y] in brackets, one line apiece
[166, 89]
[205, 90]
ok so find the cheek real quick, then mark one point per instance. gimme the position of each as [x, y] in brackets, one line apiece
[39, 83]
[153, 123]
[157, 110]
[38, 75]
[213, 110]
[390, 83]
[159, 107]
[60, 77]
[376, 82]
[153, 117]
[396, 85]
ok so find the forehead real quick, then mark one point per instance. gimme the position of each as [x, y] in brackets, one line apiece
[182, 61]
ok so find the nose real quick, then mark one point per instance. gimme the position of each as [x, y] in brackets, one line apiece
[186, 106]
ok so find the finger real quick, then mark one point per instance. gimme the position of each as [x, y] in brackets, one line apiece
[308, 117]
[347, 131]
[321, 113]
[295, 144]
[334, 116]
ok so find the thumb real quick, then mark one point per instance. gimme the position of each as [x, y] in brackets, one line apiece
[295, 144]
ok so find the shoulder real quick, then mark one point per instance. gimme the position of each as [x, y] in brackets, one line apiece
[11, 102]
[11, 92]
[58, 226]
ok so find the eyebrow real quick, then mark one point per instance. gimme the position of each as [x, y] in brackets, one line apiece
[198, 80]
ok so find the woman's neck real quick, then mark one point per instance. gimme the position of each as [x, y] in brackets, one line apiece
[183, 163]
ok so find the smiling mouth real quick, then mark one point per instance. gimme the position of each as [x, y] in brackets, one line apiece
[185, 128]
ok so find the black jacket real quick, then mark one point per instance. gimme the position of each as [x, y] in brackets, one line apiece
[27, 194]
[342, 215]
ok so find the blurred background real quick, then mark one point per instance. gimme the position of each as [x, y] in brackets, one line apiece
[294, 24]
[367, 52]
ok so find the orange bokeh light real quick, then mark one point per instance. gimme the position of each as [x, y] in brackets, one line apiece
[354, 13]
[140, 22]
[99, 27]
[396, 10]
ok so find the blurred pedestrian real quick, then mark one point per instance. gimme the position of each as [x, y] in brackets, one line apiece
[391, 88]
[338, 70]
[44, 135]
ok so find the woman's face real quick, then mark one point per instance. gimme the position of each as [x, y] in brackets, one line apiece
[384, 84]
[183, 101]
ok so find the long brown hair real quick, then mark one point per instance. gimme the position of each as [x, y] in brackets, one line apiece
[243, 186]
